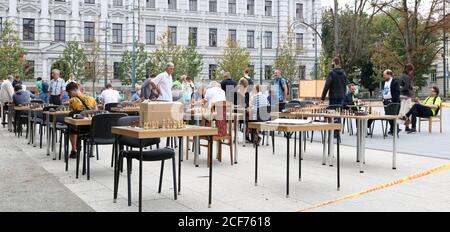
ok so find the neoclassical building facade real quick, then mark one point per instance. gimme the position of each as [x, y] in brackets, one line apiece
[45, 26]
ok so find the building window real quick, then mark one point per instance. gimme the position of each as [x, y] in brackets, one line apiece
[213, 37]
[117, 2]
[60, 30]
[212, 71]
[250, 39]
[89, 1]
[268, 39]
[29, 69]
[232, 34]
[212, 5]
[433, 74]
[173, 35]
[232, 6]
[192, 36]
[267, 72]
[89, 31]
[150, 3]
[299, 11]
[299, 41]
[268, 8]
[193, 5]
[116, 67]
[150, 34]
[301, 72]
[28, 29]
[117, 33]
[172, 4]
[251, 7]
[251, 68]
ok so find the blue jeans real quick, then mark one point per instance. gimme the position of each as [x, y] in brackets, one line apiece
[44, 97]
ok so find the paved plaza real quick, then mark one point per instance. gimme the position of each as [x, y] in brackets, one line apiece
[35, 182]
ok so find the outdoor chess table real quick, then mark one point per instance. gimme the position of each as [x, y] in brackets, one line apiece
[289, 130]
[361, 122]
[125, 109]
[141, 134]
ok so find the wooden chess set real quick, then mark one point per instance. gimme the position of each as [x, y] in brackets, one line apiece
[164, 124]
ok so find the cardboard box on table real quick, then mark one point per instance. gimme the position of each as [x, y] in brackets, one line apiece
[159, 111]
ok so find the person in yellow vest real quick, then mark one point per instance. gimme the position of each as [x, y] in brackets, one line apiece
[428, 108]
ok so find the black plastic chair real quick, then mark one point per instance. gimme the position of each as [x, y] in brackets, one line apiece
[100, 134]
[109, 106]
[41, 120]
[132, 142]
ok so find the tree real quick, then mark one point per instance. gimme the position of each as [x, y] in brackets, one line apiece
[165, 53]
[414, 34]
[75, 58]
[234, 60]
[125, 69]
[63, 68]
[286, 59]
[192, 61]
[11, 54]
[141, 62]
[94, 66]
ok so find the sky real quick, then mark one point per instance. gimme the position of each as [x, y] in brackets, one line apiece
[330, 3]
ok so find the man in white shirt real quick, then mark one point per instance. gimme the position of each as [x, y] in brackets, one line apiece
[57, 88]
[164, 83]
[6, 90]
[214, 94]
[109, 95]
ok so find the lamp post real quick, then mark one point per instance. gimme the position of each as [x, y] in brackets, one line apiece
[260, 55]
[444, 56]
[106, 50]
[133, 64]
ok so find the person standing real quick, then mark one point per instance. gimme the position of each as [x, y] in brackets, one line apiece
[17, 81]
[335, 84]
[281, 90]
[57, 88]
[228, 85]
[164, 83]
[80, 86]
[406, 91]
[40, 87]
[71, 79]
[187, 89]
[249, 79]
[7, 90]
[391, 94]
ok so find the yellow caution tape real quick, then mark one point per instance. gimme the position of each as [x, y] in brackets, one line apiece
[379, 187]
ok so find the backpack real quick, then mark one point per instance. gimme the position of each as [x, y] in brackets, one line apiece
[44, 87]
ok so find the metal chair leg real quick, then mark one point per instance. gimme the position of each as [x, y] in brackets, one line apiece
[161, 176]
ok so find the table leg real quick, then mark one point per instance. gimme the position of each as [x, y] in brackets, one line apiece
[338, 163]
[54, 137]
[48, 134]
[244, 131]
[34, 128]
[324, 155]
[78, 155]
[180, 154]
[300, 157]
[210, 172]
[288, 136]
[394, 144]
[116, 173]
[141, 156]
[29, 126]
[256, 164]
[331, 144]
[236, 124]
[358, 140]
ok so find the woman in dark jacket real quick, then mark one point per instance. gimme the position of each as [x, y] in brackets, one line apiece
[406, 91]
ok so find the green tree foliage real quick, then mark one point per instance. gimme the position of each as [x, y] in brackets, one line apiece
[192, 61]
[286, 59]
[75, 58]
[165, 53]
[11, 54]
[234, 60]
[141, 62]
[63, 67]
[125, 69]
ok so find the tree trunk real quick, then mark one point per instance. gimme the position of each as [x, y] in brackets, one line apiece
[336, 28]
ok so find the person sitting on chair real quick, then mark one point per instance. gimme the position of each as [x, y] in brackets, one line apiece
[428, 108]
[350, 97]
